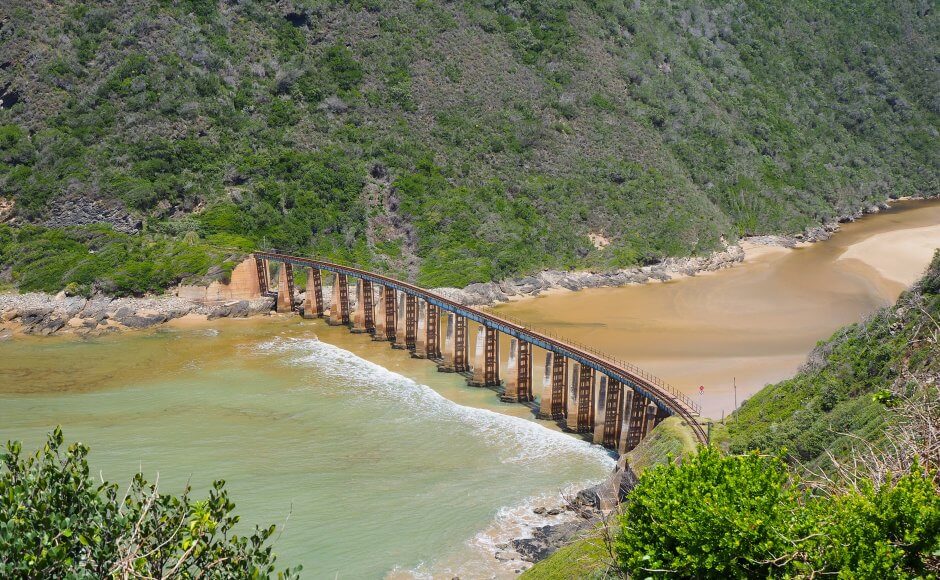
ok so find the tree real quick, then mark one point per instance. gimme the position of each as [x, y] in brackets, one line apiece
[56, 522]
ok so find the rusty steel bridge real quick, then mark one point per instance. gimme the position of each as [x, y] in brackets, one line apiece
[583, 389]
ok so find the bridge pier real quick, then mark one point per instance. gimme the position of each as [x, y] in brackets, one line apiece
[511, 385]
[421, 332]
[555, 391]
[285, 289]
[390, 318]
[379, 310]
[607, 432]
[650, 419]
[411, 321]
[399, 342]
[313, 301]
[571, 400]
[433, 332]
[518, 372]
[264, 278]
[587, 400]
[456, 345]
[339, 306]
[359, 314]
[486, 359]
[447, 356]
[634, 420]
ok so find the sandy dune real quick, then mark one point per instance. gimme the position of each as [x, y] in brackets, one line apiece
[899, 256]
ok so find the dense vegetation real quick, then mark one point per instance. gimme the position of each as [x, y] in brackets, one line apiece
[720, 516]
[57, 522]
[83, 260]
[835, 401]
[463, 141]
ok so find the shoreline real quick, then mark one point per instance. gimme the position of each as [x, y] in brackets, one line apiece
[43, 314]
[670, 269]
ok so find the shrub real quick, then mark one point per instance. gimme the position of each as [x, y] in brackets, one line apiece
[58, 522]
[718, 516]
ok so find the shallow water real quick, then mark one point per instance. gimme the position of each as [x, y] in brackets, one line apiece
[369, 470]
[754, 323]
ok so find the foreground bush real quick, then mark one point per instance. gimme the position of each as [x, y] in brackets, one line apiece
[56, 522]
[717, 516]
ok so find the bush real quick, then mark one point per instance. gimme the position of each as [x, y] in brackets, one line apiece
[57, 522]
[718, 516]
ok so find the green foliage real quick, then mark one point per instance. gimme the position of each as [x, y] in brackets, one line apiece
[716, 516]
[711, 515]
[96, 258]
[342, 67]
[58, 522]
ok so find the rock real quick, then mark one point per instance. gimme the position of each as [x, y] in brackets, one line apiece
[34, 316]
[546, 539]
[10, 314]
[588, 498]
[97, 308]
[660, 275]
[135, 321]
[48, 326]
[508, 556]
[539, 510]
[76, 208]
[123, 312]
[553, 512]
[239, 309]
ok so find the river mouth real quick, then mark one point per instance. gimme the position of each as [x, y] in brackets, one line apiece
[358, 452]
[372, 462]
[752, 324]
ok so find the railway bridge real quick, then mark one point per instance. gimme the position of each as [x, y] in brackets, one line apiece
[613, 401]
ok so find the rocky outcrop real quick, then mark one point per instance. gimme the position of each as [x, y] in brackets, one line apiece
[547, 539]
[42, 314]
[493, 292]
[76, 209]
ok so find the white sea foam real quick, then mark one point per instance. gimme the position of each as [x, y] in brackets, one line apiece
[514, 440]
[517, 440]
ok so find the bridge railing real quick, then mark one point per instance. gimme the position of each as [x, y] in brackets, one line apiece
[626, 365]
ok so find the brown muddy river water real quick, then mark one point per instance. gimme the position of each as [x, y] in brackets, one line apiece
[752, 324]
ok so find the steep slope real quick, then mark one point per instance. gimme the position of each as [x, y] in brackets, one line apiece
[463, 141]
[829, 406]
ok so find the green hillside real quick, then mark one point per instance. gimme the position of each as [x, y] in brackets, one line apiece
[453, 142]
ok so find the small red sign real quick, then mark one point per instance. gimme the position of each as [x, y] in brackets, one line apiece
[701, 388]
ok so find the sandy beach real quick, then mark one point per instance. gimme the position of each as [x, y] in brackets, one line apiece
[898, 256]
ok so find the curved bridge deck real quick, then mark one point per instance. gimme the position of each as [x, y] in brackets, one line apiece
[648, 389]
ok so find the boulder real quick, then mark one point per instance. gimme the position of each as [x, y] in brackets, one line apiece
[136, 321]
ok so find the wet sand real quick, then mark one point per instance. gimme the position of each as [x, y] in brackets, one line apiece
[752, 324]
